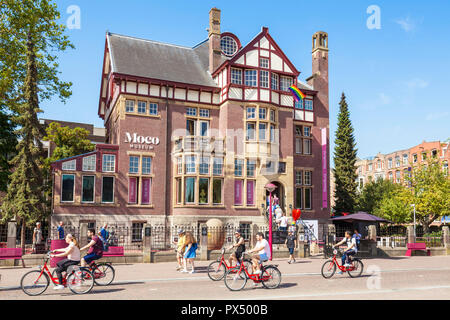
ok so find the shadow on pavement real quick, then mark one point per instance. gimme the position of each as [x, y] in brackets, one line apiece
[287, 285]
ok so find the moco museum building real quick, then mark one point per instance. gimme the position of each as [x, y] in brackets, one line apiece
[196, 133]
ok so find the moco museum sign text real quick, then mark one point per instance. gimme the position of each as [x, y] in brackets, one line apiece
[140, 142]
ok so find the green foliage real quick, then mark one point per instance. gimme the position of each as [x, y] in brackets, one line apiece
[8, 142]
[427, 187]
[344, 162]
[68, 142]
[30, 39]
[373, 193]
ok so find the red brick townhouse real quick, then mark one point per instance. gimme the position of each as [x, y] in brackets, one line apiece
[195, 134]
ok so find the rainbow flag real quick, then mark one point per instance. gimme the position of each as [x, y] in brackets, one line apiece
[298, 95]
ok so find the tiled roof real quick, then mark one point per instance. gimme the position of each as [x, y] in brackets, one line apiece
[156, 60]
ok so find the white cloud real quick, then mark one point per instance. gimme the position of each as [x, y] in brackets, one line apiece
[437, 115]
[385, 99]
[417, 83]
[407, 24]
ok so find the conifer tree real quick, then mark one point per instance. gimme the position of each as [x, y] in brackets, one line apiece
[344, 162]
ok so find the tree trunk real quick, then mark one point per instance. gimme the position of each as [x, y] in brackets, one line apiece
[22, 236]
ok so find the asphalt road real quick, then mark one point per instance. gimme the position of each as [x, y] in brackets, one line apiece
[402, 278]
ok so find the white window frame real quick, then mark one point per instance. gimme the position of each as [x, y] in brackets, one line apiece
[70, 165]
[264, 63]
[251, 111]
[204, 113]
[104, 162]
[191, 111]
[285, 83]
[153, 109]
[309, 105]
[236, 76]
[274, 81]
[251, 78]
[132, 164]
[139, 108]
[129, 106]
[87, 162]
[142, 165]
[264, 79]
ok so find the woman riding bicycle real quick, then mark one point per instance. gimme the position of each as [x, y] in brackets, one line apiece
[240, 248]
[72, 252]
[351, 250]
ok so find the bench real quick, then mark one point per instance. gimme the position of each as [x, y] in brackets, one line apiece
[417, 246]
[11, 253]
[114, 252]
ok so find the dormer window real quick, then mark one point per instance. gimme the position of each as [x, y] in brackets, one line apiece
[229, 46]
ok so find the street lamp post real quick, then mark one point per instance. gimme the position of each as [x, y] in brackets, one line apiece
[414, 206]
[270, 187]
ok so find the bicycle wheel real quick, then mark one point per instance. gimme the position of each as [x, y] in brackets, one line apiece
[216, 270]
[80, 281]
[271, 277]
[356, 269]
[234, 280]
[328, 269]
[104, 274]
[33, 283]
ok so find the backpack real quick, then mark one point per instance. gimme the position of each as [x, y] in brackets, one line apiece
[104, 243]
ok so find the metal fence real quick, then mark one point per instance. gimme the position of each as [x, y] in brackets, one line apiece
[392, 236]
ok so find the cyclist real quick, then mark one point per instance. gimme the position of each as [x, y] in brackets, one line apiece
[72, 252]
[240, 248]
[350, 251]
[263, 249]
[95, 248]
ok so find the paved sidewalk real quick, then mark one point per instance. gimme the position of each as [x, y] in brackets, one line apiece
[398, 278]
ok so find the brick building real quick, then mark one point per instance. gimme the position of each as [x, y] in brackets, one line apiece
[396, 165]
[194, 134]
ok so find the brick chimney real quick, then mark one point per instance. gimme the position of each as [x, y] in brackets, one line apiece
[215, 51]
[319, 78]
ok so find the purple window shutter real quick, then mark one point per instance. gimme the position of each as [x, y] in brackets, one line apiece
[146, 185]
[237, 192]
[250, 192]
[132, 191]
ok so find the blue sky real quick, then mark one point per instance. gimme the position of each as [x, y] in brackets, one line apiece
[396, 78]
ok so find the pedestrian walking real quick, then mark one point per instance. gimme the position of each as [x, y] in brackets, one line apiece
[61, 230]
[291, 244]
[180, 248]
[37, 237]
[190, 247]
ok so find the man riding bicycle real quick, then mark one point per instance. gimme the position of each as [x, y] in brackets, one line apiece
[95, 248]
[351, 250]
[239, 246]
[263, 249]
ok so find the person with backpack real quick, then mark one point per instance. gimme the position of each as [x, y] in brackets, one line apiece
[350, 251]
[189, 248]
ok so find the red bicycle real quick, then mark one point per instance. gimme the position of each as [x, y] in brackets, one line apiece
[103, 273]
[79, 280]
[270, 276]
[218, 268]
[329, 267]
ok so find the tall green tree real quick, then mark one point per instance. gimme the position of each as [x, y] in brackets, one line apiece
[344, 162]
[30, 38]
